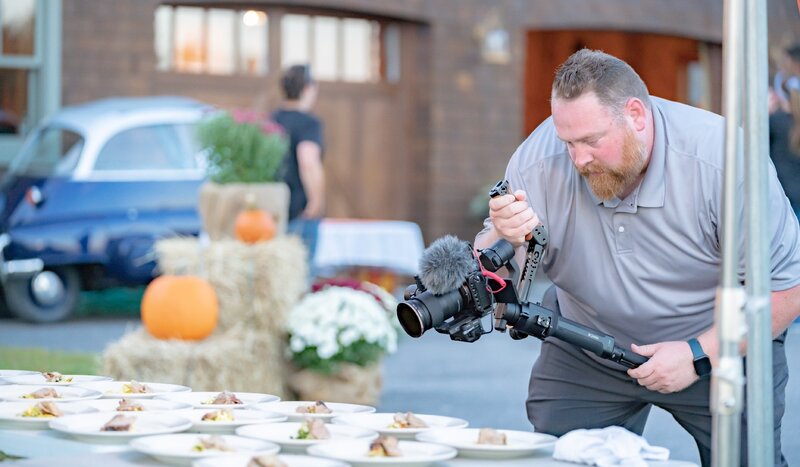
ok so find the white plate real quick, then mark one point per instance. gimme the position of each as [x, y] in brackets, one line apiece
[284, 434]
[241, 417]
[86, 427]
[289, 408]
[380, 422]
[520, 443]
[10, 414]
[177, 449]
[6, 373]
[291, 460]
[198, 399]
[149, 405]
[414, 454]
[39, 379]
[113, 389]
[14, 393]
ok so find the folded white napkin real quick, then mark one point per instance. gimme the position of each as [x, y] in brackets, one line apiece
[613, 446]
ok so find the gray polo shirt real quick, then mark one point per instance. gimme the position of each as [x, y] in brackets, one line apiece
[645, 269]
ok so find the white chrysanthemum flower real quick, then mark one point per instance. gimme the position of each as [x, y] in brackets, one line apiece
[336, 317]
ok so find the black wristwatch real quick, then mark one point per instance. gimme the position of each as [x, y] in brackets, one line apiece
[702, 364]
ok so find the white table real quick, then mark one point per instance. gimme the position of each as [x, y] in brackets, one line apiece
[392, 245]
[49, 448]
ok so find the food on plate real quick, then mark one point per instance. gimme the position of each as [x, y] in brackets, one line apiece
[42, 410]
[221, 415]
[492, 436]
[44, 393]
[56, 377]
[135, 387]
[224, 398]
[126, 405]
[317, 407]
[119, 423]
[384, 446]
[407, 420]
[214, 442]
[313, 429]
[266, 461]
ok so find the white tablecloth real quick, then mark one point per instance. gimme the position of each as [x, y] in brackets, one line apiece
[42, 447]
[393, 245]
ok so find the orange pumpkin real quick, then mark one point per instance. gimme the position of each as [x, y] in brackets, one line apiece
[180, 307]
[254, 225]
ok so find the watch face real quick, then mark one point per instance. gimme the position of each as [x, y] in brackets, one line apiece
[702, 366]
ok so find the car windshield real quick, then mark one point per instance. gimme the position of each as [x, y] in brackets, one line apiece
[154, 147]
[53, 151]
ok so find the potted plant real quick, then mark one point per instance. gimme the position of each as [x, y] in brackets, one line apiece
[245, 152]
[338, 335]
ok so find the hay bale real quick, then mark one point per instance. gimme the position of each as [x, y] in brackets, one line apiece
[241, 359]
[255, 284]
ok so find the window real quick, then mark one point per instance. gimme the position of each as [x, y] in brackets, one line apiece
[221, 41]
[17, 23]
[211, 40]
[55, 151]
[156, 147]
[340, 49]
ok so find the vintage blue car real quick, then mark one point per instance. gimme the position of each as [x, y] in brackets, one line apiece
[89, 193]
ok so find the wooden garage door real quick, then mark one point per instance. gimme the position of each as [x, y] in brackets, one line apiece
[661, 61]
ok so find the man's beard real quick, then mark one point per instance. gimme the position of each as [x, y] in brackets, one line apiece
[612, 182]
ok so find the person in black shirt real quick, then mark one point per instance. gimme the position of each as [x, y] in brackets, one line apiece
[784, 143]
[302, 169]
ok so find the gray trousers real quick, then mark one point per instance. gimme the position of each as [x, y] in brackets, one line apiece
[569, 390]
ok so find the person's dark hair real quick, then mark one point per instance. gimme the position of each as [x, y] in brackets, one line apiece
[295, 79]
[612, 80]
[793, 52]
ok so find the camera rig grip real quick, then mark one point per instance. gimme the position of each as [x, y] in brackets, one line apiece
[529, 318]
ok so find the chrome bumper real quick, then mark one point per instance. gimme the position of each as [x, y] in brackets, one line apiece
[16, 267]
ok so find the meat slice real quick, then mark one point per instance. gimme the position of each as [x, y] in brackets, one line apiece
[491, 436]
[227, 398]
[44, 393]
[222, 415]
[119, 423]
[408, 420]
[266, 461]
[384, 446]
[135, 387]
[317, 407]
[215, 442]
[126, 405]
[55, 377]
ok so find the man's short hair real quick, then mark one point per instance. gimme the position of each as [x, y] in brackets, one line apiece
[295, 79]
[612, 80]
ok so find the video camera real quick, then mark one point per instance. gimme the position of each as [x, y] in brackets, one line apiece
[458, 286]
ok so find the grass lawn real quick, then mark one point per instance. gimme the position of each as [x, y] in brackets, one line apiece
[118, 301]
[20, 358]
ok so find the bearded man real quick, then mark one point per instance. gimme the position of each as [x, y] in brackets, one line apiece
[629, 187]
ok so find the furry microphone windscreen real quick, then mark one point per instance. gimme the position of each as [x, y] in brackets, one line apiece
[445, 264]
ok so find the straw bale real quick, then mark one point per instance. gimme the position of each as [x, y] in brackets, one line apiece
[255, 284]
[240, 359]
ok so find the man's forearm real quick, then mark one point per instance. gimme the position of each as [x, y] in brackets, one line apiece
[785, 309]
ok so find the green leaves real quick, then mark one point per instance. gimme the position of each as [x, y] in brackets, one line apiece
[242, 152]
[360, 352]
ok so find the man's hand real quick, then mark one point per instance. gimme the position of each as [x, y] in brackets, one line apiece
[512, 217]
[670, 368]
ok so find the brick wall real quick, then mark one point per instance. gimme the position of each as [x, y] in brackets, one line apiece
[469, 119]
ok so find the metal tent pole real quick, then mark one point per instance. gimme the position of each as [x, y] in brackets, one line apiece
[727, 379]
[760, 445]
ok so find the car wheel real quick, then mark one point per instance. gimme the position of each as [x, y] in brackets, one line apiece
[47, 296]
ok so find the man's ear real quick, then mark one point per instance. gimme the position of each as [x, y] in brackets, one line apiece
[636, 111]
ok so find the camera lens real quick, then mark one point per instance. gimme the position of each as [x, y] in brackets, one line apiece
[411, 318]
[426, 311]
